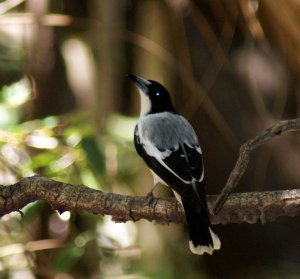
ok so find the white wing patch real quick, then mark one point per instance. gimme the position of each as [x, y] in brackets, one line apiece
[151, 150]
[162, 134]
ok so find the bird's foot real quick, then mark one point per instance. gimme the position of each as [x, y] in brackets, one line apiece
[150, 197]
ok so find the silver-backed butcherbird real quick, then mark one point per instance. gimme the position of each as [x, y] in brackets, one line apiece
[170, 148]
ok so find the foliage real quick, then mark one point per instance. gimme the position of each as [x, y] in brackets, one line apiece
[65, 148]
[233, 70]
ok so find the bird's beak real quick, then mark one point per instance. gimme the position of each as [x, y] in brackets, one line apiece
[141, 83]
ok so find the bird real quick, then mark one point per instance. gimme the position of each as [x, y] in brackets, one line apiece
[169, 146]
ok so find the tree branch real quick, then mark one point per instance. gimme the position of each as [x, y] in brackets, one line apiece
[244, 156]
[242, 207]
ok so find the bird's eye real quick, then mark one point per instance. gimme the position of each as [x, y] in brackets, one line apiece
[157, 94]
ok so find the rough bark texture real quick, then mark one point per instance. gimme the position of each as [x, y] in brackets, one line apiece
[244, 156]
[239, 208]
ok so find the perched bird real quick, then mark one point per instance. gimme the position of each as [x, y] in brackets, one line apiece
[169, 146]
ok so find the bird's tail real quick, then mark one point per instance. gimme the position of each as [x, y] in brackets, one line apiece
[202, 238]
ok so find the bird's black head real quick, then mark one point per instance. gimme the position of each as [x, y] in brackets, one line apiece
[154, 97]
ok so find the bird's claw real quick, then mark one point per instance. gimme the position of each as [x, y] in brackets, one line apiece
[150, 198]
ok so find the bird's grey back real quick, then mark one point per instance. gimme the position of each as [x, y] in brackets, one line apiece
[166, 130]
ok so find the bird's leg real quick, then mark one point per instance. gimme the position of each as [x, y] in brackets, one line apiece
[150, 196]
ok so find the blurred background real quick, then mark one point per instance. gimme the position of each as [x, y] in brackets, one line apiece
[68, 110]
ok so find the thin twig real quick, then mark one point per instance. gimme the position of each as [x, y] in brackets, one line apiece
[244, 156]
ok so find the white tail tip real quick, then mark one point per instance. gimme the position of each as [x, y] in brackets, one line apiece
[201, 249]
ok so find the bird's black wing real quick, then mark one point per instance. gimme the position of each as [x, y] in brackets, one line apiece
[181, 168]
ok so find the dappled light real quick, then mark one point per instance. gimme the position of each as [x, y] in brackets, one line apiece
[68, 112]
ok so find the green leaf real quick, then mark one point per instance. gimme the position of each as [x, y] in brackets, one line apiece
[67, 257]
[43, 159]
[94, 154]
[32, 210]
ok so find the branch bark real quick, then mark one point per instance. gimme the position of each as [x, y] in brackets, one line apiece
[244, 156]
[241, 207]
